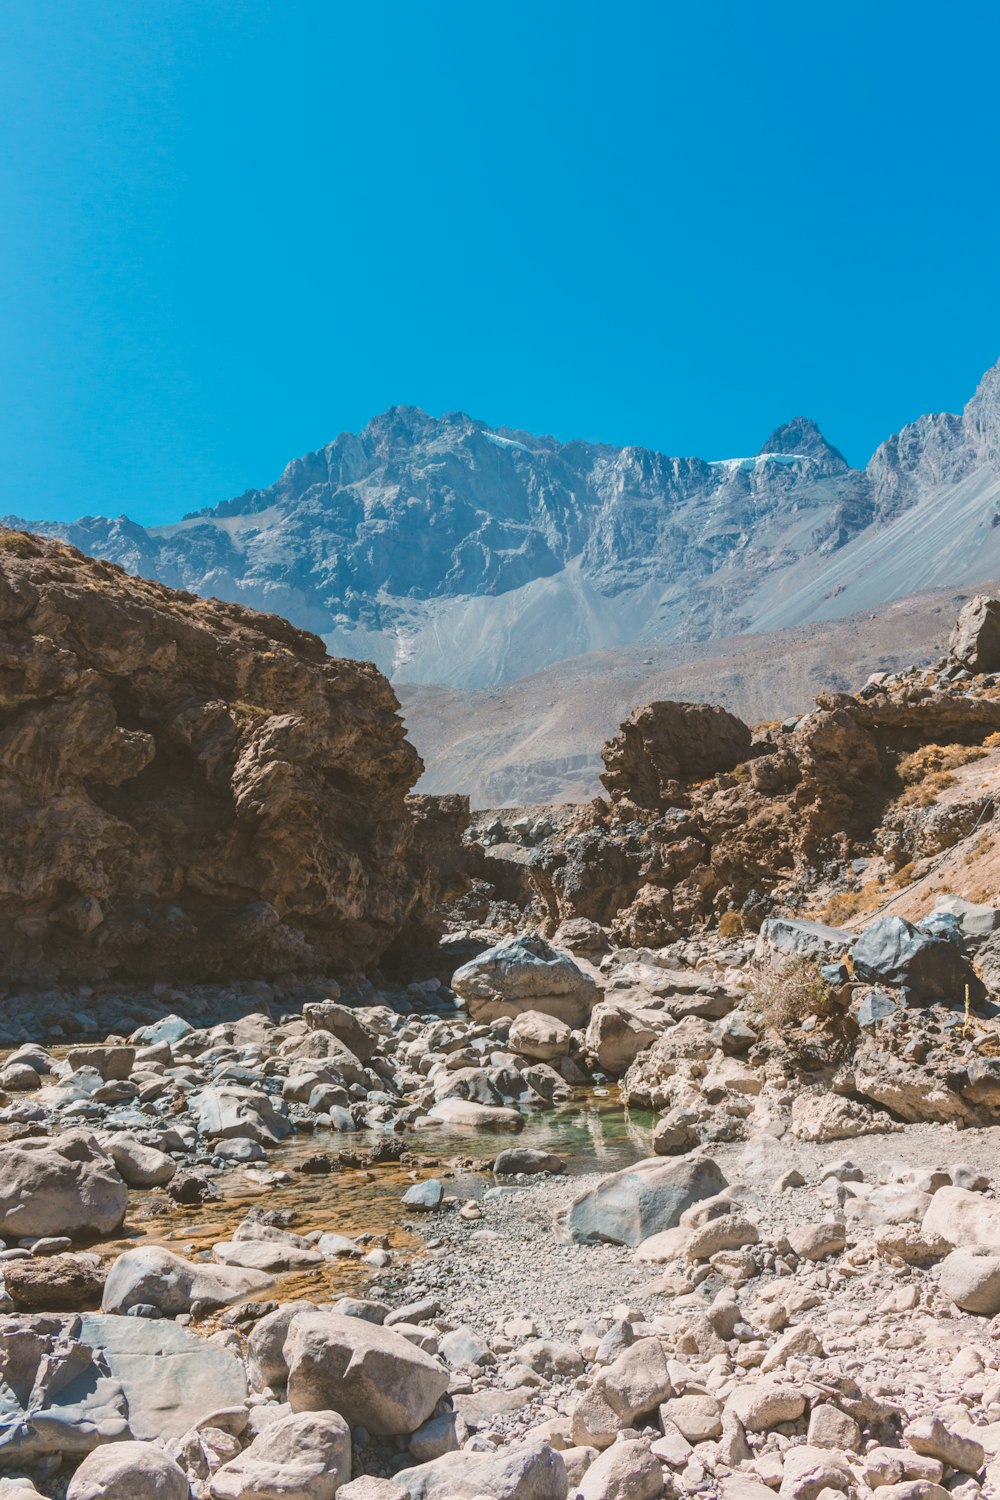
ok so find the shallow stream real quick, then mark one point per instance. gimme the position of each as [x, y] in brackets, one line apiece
[592, 1133]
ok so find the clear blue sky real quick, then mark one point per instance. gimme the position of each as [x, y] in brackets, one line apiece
[233, 228]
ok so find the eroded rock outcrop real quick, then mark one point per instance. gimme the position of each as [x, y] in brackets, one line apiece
[189, 787]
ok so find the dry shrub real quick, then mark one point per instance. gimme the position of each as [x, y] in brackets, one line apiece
[931, 759]
[846, 904]
[730, 924]
[20, 543]
[904, 874]
[982, 846]
[790, 992]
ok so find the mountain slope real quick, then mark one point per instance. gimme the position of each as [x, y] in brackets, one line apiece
[538, 740]
[453, 553]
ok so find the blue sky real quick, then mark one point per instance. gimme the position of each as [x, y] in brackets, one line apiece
[234, 228]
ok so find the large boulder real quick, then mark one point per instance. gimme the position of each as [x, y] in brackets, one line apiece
[69, 1383]
[629, 1206]
[963, 1218]
[616, 1034]
[975, 639]
[971, 1278]
[152, 1276]
[128, 1471]
[171, 1378]
[68, 1186]
[369, 1374]
[522, 974]
[233, 1110]
[524, 1471]
[926, 967]
[305, 1456]
[665, 742]
[794, 937]
[146, 732]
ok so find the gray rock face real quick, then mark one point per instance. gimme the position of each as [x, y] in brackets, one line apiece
[975, 640]
[798, 938]
[927, 968]
[367, 1373]
[69, 1186]
[450, 552]
[525, 974]
[629, 1206]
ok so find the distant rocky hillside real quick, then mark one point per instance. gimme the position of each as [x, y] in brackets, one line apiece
[451, 553]
[538, 740]
[189, 789]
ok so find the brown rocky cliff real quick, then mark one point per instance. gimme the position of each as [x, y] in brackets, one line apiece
[188, 788]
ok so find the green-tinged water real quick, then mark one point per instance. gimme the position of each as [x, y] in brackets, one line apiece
[592, 1134]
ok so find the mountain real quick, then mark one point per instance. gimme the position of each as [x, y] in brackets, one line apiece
[449, 552]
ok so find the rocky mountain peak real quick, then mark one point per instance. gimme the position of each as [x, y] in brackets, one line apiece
[982, 418]
[801, 436]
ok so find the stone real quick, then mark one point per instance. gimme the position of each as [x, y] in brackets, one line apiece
[273, 1256]
[631, 1205]
[669, 741]
[963, 1218]
[526, 1160]
[817, 1241]
[795, 937]
[930, 1436]
[763, 1404]
[343, 1023]
[616, 1036]
[523, 1471]
[368, 1373]
[57, 1394]
[444, 1433]
[304, 1456]
[539, 1037]
[267, 1367]
[58, 1283]
[975, 638]
[232, 1110]
[829, 1427]
[140, 1166]
[625, 1471]
[525, 973]
[369, 1487]
[810, 1472]
[424, 1196]
[128, 1471]
[971, 1278]
[153, 1276]
[632, 1386]
[976, 921]
[171, 1378]
[697, 1418]
[728, 1232]
[112, 1062]
[65, 1186]
[466, 1112]
[927, 968]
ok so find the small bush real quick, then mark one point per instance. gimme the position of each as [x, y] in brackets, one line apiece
[20, 543]
[730, 924]
[931, 759]
[847, 904]
[793, 992]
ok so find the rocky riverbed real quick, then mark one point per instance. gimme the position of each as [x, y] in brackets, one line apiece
[275, 1242]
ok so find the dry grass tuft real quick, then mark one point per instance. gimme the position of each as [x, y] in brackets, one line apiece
[846, 904]
[782, 995]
